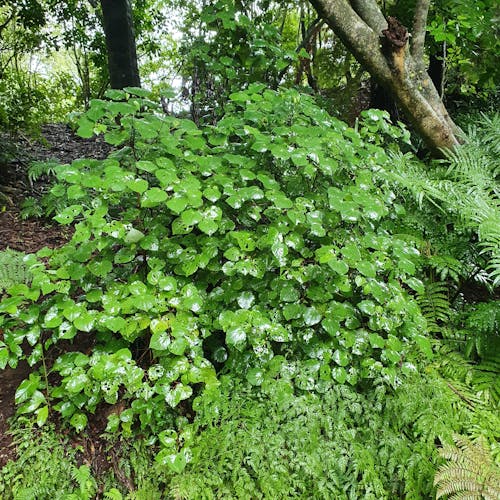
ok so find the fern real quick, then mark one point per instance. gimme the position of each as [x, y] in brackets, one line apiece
[463, 188]
[38, 169]
[435, 305]
[483, 325]
[113, 494]
[448, 267]
[31, 207]
[476, 383]
[478, 389]
[491, 134]
[13, 269]
[470, 472]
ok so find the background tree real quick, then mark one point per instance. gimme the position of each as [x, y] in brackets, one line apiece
[120, 42]
[382, 47]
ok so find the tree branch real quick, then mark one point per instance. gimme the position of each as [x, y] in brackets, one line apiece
[362, 40]
[7, 21]
[369, 11]
[418, 32]
[311, 32]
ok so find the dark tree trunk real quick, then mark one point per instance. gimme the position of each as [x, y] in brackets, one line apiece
[120, 42]
[437, 66]
[380, 98]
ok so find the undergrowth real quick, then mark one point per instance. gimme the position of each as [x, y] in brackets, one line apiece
[247, 442]
[14, 269]
[45, 467]
[276, 323]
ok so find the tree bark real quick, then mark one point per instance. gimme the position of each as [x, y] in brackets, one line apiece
[419, 29]
[120, 43]
[385, 54]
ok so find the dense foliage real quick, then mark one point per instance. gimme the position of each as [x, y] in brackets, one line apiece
[275, 272]
[314, 298]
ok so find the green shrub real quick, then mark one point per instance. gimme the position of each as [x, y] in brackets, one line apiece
[28, 100]
[260, 246]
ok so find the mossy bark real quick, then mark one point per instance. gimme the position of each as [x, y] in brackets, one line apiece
[385, 54]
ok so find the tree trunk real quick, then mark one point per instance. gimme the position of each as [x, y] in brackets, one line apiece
[437, 69]
[120, 43]
[381, 47]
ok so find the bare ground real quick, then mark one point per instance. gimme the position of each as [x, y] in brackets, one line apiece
[57, 143]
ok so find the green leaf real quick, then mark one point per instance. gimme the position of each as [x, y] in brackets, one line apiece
[100, 269]
[85, 128]
[178, 346]
[138, 91]
[138, 185]
[85, 322]
[341, 357]
[191, 217]
[77, 383]
[153, 197]
[376, 340]
[146, 165]
[115, 94]
[133, 236]
[180, 392]
[115, 324]
[166, 176]
[79, 421]
[367, 307]
[425, 345]
[4, 357]
[339, 374]
[236, 337]
[339, 266]
[311, 316]
[160, 341]
[27, 388]
[34, 402]
[68, 215]
[289, 293]
[367, 268]
[332, 326]
[177, 203]
[41, 415]
[208, 226]
[255, 376]
[293, 311]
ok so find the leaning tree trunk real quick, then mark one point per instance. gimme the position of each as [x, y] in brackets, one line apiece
[381, 47]
[120, 43]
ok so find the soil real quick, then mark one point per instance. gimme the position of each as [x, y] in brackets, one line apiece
[58, 143]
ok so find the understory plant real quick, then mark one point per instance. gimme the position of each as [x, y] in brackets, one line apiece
[261, 246]
[250, 442]
[454, 209]
[45, 467]
[339, 444]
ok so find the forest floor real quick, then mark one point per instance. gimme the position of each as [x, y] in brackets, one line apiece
[56, 143]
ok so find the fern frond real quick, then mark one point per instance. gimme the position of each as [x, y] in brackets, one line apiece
[435, 305]
[39, 169]
[470, 471]
[491, 132]
[464, 187]
[13, 269]
[447, 266]
[476, 384]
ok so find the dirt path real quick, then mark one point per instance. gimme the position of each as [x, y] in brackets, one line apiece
[58, 143]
